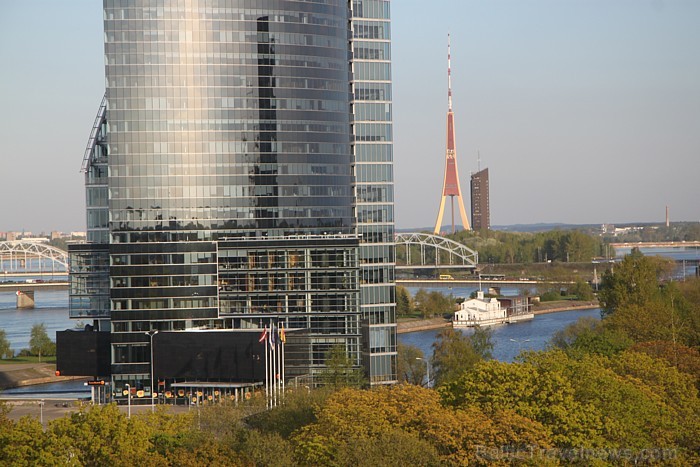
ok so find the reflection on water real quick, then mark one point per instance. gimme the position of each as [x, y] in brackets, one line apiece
[64, 390]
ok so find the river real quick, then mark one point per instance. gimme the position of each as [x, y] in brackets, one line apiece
[51, 310]
[509, 339]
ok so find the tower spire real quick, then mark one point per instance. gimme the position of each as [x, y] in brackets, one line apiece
[449, 76]
[450, 184]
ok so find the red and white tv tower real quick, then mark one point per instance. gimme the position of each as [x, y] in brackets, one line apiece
[450, 184]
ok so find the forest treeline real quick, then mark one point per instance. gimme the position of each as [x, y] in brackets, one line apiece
[622, 390]
[494, 246]
[560, 245]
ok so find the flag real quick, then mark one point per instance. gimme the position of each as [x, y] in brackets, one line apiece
[263, 336]
[283, 338]
[273, 338]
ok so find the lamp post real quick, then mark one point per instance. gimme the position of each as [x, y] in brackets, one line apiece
[128, 399]
[427, 369]
[41, 412]
[150, 334]
[520, 343]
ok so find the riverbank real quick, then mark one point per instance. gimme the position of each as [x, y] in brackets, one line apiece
[406, 325]
[29, 374]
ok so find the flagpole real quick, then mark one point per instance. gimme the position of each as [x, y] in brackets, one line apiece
[284, 341]
[279, 365]
[276, 356]
[267, 371]
[273, 344]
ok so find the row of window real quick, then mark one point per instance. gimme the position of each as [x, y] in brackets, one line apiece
[374, 173]
[287, 303]
[158, 85]
[371, 29]
[372, 193]
[372, 71]
[202, 105]
[371, 9]
[322, 15]
[212, 125]
[124, 33]
[373, 152]
[372, 112]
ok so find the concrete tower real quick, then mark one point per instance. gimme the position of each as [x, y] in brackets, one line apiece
[450, 184]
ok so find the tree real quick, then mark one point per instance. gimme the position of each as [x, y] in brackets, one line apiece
[403, 301]
[5, 348]
[433, 303]
[340, 371]
[407, 425]
[634, 281]
[685, 359]
[581, 290]
[538, 392]
[411, 364]
[589, 335]
[40, 343]
[455, 353]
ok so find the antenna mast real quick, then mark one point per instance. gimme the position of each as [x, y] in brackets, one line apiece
[449, 76]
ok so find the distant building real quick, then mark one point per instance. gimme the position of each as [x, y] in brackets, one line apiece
[479, 311]
[481, 211]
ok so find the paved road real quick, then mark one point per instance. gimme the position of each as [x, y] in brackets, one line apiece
[53, 409]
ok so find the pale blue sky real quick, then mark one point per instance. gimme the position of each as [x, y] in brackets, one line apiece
[584, 111]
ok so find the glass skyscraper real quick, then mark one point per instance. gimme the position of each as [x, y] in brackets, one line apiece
[375, 183]
[240, 174]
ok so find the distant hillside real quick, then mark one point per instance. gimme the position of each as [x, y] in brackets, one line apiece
[512, 228]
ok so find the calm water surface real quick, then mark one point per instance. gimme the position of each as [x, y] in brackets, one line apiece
[509, 339]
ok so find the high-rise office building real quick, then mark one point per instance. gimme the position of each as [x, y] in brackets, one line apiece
[481, 211]
[372, 109]
[239, 174]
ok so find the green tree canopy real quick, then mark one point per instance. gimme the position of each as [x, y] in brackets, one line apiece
[404, 302]
[340, 370]
[433, 303]
[39, 342]
[590, 335]
[634, 281]
[455, 352]
[5, 347]
[411, 364]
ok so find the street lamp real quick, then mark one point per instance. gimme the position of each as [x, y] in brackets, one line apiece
[427, 369]
[128, 399]
[150, 334]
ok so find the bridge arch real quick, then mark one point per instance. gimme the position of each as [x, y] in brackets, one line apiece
[16, 249]
[458, 255]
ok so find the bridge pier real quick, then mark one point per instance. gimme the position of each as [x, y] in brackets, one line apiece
[25, 299]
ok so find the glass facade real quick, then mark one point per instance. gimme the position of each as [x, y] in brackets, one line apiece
[223, 190]
[375, 184]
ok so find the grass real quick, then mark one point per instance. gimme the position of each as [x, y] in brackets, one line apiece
[31, 359]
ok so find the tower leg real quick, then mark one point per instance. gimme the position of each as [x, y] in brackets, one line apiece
[441, 211]
[463, 213]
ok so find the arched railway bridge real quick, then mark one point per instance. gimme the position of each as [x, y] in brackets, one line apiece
[17, 256]
[428, 251]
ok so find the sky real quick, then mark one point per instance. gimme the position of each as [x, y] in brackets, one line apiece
[583, 111]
